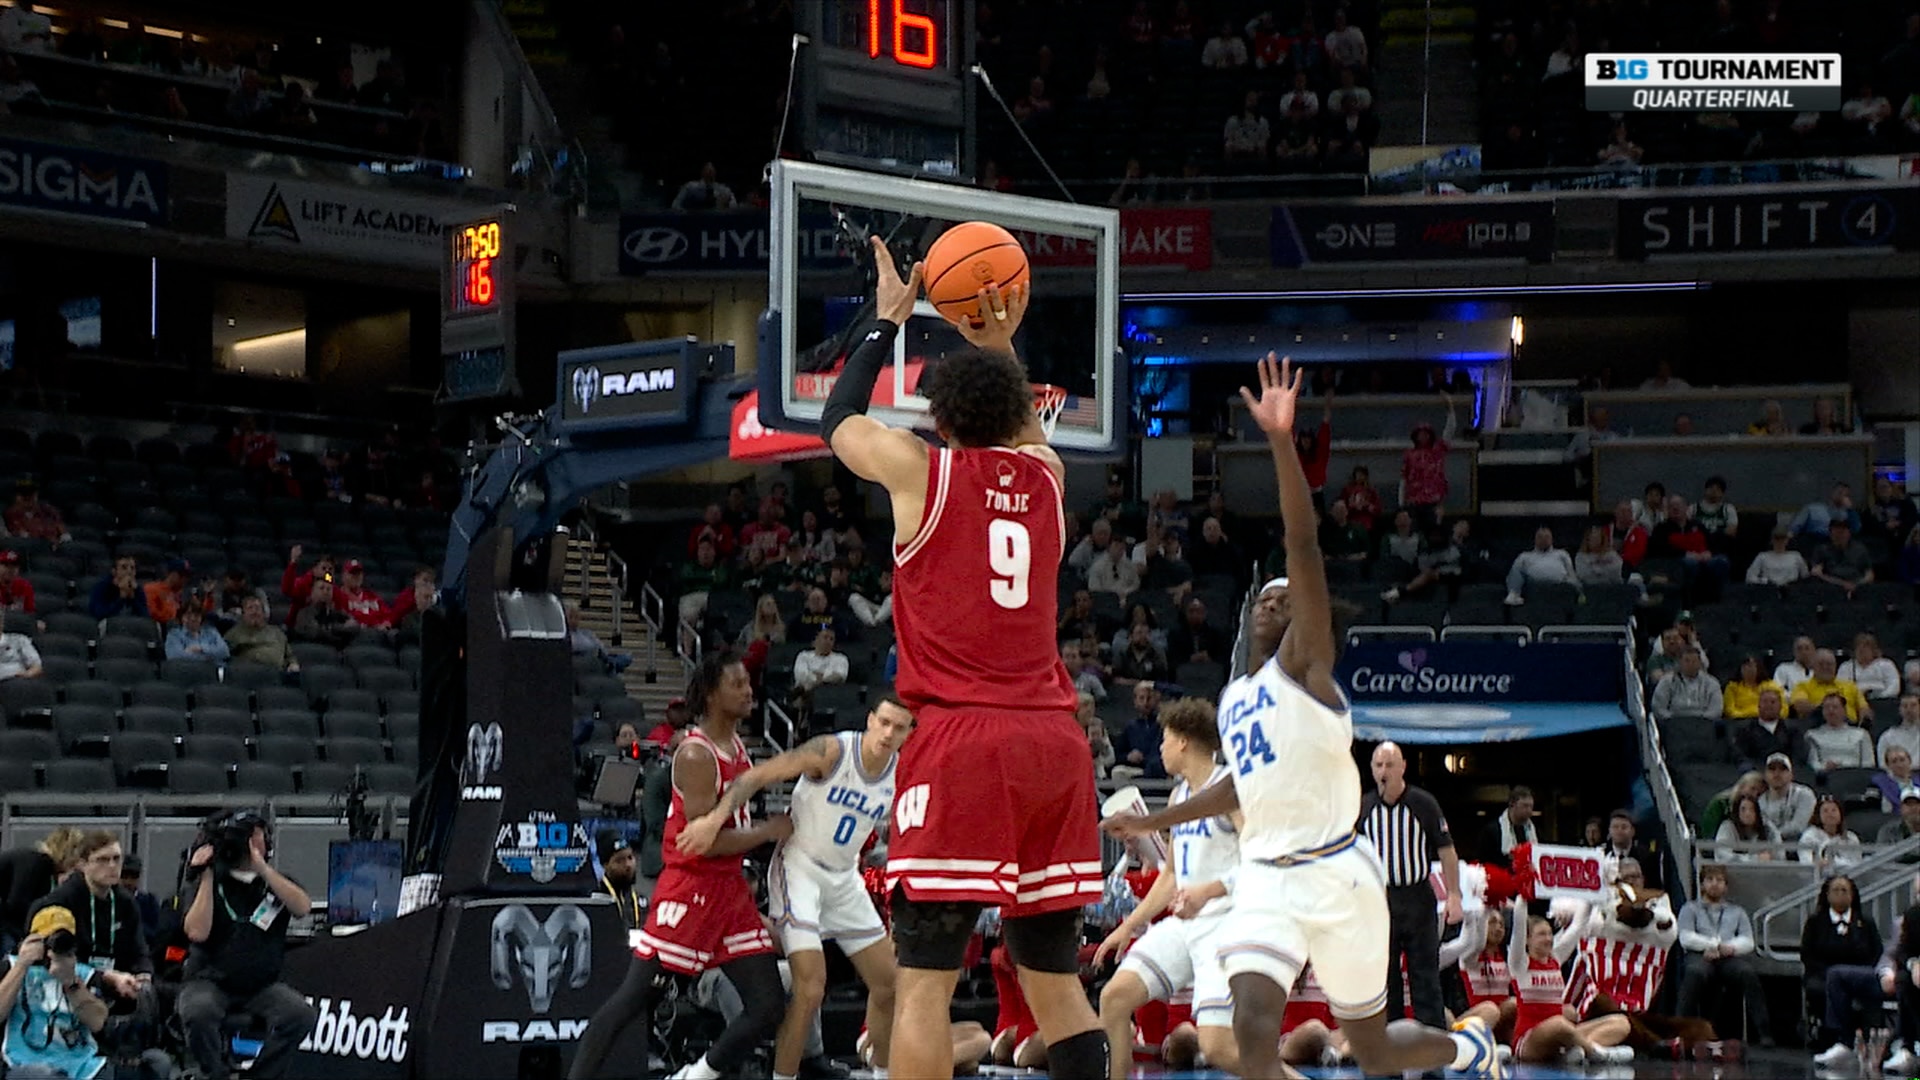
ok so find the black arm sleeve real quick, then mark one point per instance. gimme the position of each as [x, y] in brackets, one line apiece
[853, 390]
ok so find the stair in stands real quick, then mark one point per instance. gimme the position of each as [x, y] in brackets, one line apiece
[596, 614]
[1426, 91]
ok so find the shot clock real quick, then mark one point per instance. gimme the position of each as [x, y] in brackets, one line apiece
[476, 306]
[474, 264]
[885, 84]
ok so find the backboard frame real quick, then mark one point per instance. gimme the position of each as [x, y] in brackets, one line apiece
[793, 182]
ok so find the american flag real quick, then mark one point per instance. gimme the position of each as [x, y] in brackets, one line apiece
[1080, 412]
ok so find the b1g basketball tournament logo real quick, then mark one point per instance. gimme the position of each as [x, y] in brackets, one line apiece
[543, 847]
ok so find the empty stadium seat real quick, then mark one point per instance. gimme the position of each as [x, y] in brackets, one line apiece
[94, 692]
[253, 676]
[263, 778]
[158, 693]
[324, 778]
[79, 776]
[279, 697]
[156, 719]
[222, 696]
[320, 682]
[28, 702]
[216, 720]
[196, 778]
[136, 753]
[400, 701]
[369, 656]
[226, 749]
[16, 776]
[355, 751]
[349, 699]
[285, 749]
[138, 627]
[391, 779]
[84, 729]
[187, 672]
[344, 724]
[384, 680]
[61, 670]
[623, 710]
[302, 722]
[403, 728]
[28, 747]
[125, 673]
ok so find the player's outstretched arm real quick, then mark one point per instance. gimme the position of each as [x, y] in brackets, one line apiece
[1213, 800]
[816, 758]
[1159, 895]
[887, 456]
[696, 775]
[1309, 642]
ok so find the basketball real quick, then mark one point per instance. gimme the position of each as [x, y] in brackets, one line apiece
[967, 258]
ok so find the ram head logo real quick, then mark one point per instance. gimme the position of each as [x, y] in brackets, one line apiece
[541, 954]
[586, 386]
[484, 753]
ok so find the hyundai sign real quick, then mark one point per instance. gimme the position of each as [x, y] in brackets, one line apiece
[625, 386]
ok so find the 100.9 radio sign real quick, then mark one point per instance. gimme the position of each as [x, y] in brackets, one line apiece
[1358, 232]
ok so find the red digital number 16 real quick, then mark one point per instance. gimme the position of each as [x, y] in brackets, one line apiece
[903, 20]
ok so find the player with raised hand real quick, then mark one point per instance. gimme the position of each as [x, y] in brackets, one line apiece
[843, 789]
[1308, 889]
[995, 802]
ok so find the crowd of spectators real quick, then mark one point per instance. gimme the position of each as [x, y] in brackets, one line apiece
[77, 64]
[1530, 56]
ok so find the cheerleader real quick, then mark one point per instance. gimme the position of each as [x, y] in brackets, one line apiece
[1544, 1031]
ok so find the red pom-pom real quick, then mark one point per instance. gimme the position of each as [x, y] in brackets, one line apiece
[1523, 881]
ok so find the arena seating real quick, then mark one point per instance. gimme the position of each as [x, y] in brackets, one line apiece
[109, 711]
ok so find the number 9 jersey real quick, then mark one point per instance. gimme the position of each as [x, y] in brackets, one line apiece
[976, 592]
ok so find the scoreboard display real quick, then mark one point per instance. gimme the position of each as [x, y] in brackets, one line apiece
[886, 84]
[477, 307]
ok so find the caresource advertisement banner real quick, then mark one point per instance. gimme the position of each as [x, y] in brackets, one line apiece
[1436, 230]
[1738, 222]
[370, 223]
[1481, 672]
[741, 242]
[87, 181]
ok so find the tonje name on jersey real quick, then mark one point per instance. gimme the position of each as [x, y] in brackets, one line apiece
[1007, 502]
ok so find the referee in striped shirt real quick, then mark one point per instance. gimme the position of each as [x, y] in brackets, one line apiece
[1407, 828]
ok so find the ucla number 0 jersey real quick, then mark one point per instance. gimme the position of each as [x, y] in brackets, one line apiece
[832, 818]
[1292, 762]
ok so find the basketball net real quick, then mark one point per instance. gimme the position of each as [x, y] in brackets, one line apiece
[1049, 401]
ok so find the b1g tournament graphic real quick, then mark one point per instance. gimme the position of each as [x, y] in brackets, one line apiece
[541, 847]
[1727, 82]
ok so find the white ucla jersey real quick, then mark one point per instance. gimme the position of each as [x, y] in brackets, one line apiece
[1204, 850]
[1292, 762]
[833, 817]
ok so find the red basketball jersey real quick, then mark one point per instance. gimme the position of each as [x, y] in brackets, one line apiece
[732, 764]
[976, 592]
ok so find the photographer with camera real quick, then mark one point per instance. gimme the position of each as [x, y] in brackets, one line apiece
[51, 1016]
[237, 927]
[107, 921]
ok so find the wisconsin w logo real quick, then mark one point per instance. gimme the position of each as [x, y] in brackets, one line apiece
[670, 912]
[910, 810]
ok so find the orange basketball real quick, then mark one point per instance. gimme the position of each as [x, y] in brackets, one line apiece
[966, 259]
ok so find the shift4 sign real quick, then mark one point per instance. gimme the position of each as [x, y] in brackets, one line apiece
[542, 847]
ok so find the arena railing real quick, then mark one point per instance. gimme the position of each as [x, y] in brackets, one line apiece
[1883, 874]
[1666, 797]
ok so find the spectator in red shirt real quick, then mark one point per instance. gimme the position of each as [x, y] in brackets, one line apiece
[1680, 537]
[1270, 44]
[251, 448]
[1363, 501]
[16, 592]
[353, 597]
[767, 533]
[1423, 475]
[666, 731]
[407, 600]
[713, 524]
[298, 587]
[1627, 536]
[28, 516]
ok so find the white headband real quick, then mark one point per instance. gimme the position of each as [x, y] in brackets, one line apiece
[1276, 583]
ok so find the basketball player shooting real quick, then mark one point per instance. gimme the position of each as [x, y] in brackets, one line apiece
[843, 789]
[1308, 889]
[995, 802]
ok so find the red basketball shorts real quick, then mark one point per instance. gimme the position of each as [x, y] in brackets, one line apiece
[700, 921]
[997, 807]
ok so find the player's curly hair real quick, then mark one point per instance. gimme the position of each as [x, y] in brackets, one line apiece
[706, 679]
[1193, 718]
[979, 397]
